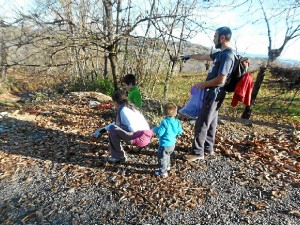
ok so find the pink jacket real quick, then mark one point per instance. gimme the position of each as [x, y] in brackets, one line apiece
[142, 138]
[243, 90]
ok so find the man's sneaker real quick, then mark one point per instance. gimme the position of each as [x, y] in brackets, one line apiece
[114, 160]
[169, 168]
[192, 158]
[209, 152]
[159, 174]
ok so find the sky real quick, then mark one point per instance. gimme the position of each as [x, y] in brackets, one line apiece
[249, 39]
[11, 4]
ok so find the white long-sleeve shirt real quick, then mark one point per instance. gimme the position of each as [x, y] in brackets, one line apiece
[132, 119]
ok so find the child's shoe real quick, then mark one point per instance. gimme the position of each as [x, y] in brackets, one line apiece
[159, 174]
[114, 160]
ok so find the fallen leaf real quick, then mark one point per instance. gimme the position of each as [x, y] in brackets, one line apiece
[295, 213]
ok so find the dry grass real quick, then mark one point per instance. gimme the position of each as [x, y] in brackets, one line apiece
[274, 103]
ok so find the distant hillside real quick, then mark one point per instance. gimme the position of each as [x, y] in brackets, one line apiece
[289, 62]
[283, 62]
[256, 60]
[197, 66]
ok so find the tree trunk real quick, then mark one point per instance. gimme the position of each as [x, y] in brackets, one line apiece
[114, 68]
[259, 79]
[3, 54]
[105, 66]
[168, 79]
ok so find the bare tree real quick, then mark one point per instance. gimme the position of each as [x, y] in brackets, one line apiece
[273, 16]
[3, 53]
[173, 33]
[288, 12]
[82, 37]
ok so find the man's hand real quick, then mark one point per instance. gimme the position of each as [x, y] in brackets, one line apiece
[99, 132]
[185, 57]
[200, 85]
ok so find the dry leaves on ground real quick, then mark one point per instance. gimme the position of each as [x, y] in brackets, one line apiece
[56, 135]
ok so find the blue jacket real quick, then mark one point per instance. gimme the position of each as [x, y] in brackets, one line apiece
[167, 131]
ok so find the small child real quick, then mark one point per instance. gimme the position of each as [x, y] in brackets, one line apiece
[134, 95]
[130, 126]
[167, 132]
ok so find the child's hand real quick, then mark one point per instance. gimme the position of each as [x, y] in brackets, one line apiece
[96, 133]
[99, 132]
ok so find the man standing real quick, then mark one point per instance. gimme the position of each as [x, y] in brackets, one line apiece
[206, 123]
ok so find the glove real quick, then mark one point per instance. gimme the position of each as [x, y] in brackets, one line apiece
[185, 57]
[174, 58]
[99, 132]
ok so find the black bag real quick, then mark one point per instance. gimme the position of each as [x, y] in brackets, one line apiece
[238, 71]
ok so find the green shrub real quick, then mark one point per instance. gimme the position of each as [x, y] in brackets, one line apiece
[40, 96]
[100, 84]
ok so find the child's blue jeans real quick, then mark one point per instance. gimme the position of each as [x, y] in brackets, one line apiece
[164, 153]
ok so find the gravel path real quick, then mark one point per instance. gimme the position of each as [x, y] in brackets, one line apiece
[31, 197]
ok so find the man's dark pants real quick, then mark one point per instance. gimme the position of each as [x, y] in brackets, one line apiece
[206, 126]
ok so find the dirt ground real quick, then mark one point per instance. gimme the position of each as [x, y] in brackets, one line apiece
[53, 172]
